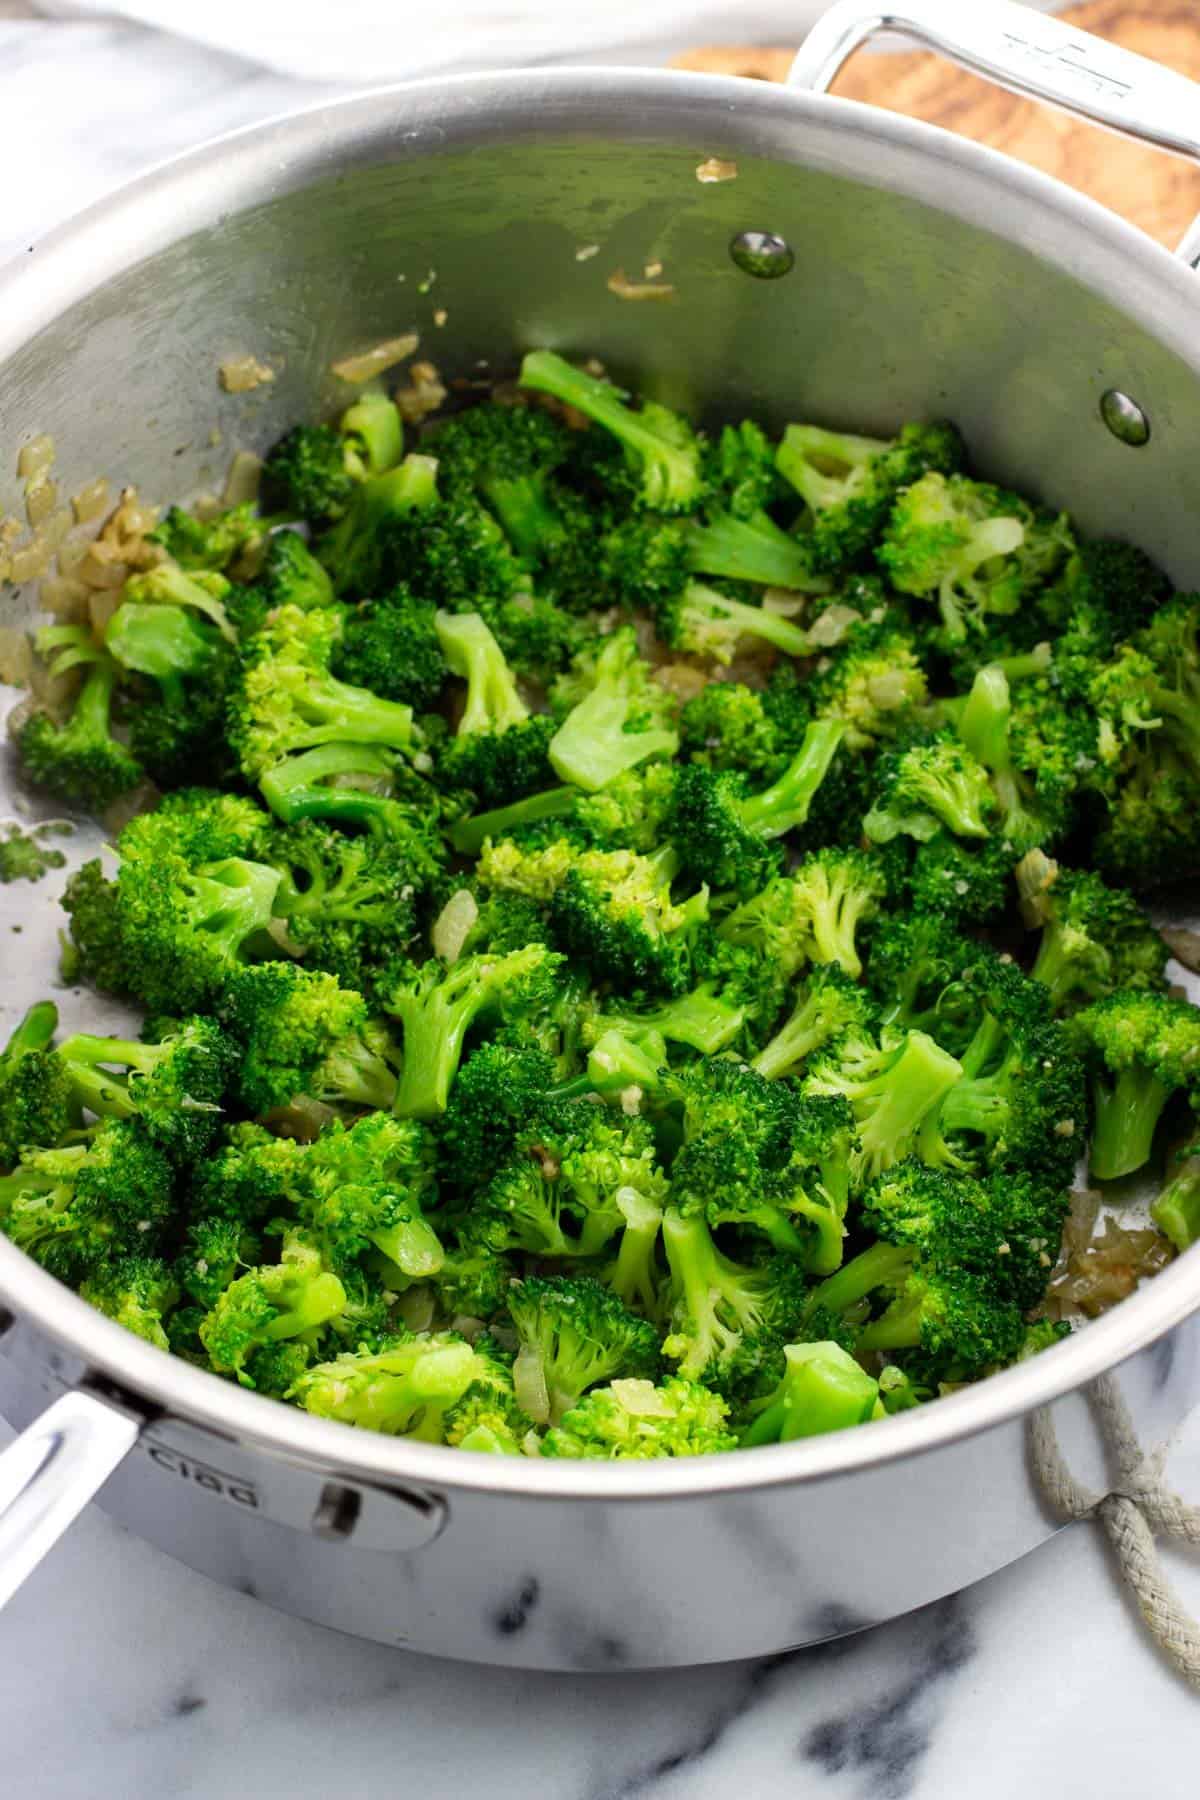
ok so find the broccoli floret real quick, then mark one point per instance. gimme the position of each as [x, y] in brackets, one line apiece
[894, 1083]
[730, 726]
[166, 642]
[704, 1019]
[1140, 1049]
[215, 1249]
[404, 1388]
[210, 543]
[138, 1292]
[293, 1298]
[79, 761]
[1095, 938]
[187, 904]
[913, 973]
[1176, 1212]
[35, 1097]
[291, 575]
[391, 646]
[929, 1301]
[1105, 594]
[362, 1188]
[726, 1320]
[25, 855]
[498, 750]
[351, 904]
[977, 549]
[438, 1005]
[823, 1389]
[508, 455]
[357, 550]
[1151, 830]
[740, 466]
[1022, 1090]
[287, 700]
[352, 785]
[873, 683]
[573, 1335]
[828, 1004]
[759, 1156]
[660, 448]
[618, 715]
[611, 910]
[302, 1034]
[472, 1281]
[1038, 749]
[635, 1419]
[629, 813]
[174, 1085]
[557, 1192]
[725, 834]
[75, 1207]
[960, 881]
[488, 1417]
[305, 475]
[837, 891]
[849, 483]
[700, 621]
[932, 781]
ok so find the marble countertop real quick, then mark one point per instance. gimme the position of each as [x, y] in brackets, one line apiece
[126, 1674]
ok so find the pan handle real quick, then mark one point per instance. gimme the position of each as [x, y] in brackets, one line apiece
[51, 1472]
[1029, 53]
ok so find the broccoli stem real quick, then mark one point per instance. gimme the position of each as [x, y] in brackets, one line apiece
[92, 1085]
[984, 721]
[803, 1032]
[295, 788]
[753, 549]
[472, 653]
[528, 519]
[669, 465]
[315, 1299]
[374, 435]
[700, 1019]
[632, 1275]
[468, 836]
[436, 1021]
[1126, 1117]
[880, 1265]
[413, 1245]
[594, 744]
[784, 805]
[1176, 1212]
[712, 623]
[823, 1389]
[35, 1031]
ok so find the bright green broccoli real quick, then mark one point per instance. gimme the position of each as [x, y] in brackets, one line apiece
[1140, 1049]
[635, 1419]
[849, 483]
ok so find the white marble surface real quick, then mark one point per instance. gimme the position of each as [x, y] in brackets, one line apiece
[122, 1673]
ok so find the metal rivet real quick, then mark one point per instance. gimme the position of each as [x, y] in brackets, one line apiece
[1124, 418]
[762, 254]
[337, 1512]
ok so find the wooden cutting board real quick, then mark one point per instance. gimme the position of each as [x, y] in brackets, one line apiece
[1158, 192]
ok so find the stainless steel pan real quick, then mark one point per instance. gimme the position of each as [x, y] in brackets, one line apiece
[929, 276]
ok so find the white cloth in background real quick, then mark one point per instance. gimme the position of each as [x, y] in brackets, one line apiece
[390, 40]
